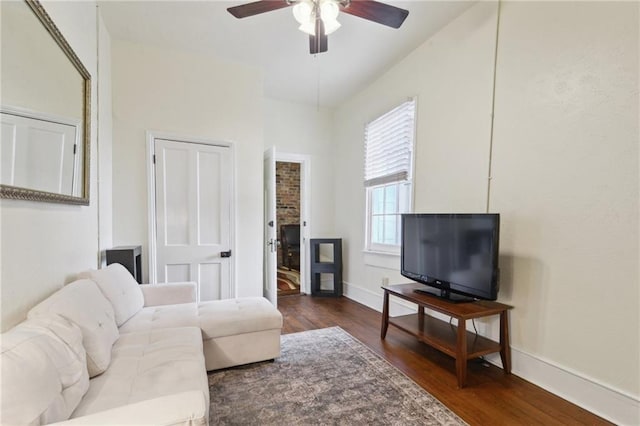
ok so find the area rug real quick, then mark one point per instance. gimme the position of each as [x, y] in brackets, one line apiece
[288, 282]
[322, 377]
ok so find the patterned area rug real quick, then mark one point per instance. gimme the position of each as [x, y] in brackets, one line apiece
[322, 377]
[288, 282]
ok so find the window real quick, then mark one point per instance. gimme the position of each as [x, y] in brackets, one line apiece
[388, 175]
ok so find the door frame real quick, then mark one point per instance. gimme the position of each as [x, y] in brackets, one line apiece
[305, 209]
[151, 201]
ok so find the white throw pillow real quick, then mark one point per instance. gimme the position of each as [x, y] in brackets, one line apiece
[84, 305]
[44, 371]
[120, 288]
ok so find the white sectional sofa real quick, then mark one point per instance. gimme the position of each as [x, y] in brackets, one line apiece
[105, 350]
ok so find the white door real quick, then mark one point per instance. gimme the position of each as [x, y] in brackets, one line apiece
[193, 216]
[270, 228]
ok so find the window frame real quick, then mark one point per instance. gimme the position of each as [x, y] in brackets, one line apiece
[376, 247]
[381, 248]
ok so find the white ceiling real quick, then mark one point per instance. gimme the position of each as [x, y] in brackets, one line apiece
[358, 52]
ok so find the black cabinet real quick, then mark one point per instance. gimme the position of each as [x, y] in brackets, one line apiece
[326, 261]
[128, 256]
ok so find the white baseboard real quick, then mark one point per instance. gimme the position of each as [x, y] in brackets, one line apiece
[598, 398]
[374, 300]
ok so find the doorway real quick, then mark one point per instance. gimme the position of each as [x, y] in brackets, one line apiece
[191, 214]
[288, 214]
[287, 226]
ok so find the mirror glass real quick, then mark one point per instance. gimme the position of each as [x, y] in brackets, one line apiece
[44, 143]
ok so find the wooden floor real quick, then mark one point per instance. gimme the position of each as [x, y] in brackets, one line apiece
[490, 397]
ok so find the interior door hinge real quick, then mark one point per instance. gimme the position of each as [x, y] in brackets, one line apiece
[153, 159]
[75, 148]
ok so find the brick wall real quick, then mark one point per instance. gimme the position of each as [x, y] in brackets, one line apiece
[287, 196]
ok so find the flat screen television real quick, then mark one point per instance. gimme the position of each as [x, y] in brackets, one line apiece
[454, 255]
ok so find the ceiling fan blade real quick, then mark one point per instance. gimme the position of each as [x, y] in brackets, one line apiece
[375, 11]
[320, 42]
[257, 7]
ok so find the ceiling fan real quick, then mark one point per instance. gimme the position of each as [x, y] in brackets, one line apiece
[318, 18]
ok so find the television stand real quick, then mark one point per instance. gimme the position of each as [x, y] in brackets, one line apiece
[445, 295]
[454, 341]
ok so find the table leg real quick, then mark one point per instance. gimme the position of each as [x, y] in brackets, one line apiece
[505, 348]
[421, 317]
[461, 353]
[385, 315]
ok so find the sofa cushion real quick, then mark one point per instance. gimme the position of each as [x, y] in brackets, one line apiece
[148, 365]
[163, 316]
[84, 305]
[178, 409]
[44, 371]
[120, 288]
[169, 293]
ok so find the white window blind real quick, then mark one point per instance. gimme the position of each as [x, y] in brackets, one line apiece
[388, 143]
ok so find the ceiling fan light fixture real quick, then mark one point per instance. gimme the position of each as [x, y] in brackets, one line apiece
[303, 11]
[308, 27]
[329, 11]
[330, 26]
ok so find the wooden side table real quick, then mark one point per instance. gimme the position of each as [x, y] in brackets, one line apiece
[454, 341]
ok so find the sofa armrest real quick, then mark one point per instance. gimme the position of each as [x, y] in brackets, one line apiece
[185, 408]
[168, 293]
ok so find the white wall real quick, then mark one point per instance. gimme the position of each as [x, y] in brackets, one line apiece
[451, 74]
[44, 245]
[303, 129]
[565, 180]
[189, 95]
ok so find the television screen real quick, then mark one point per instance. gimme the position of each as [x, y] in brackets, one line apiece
[454, 253]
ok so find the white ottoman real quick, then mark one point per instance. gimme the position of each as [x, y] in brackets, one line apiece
[239, 331]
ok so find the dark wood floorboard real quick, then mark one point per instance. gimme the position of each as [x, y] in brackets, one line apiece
[490, 397]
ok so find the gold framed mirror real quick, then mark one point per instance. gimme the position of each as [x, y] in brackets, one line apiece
[45, 109]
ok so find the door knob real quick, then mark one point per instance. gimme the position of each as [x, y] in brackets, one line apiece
[273, 244]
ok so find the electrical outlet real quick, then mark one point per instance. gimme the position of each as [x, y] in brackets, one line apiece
[385, 281]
